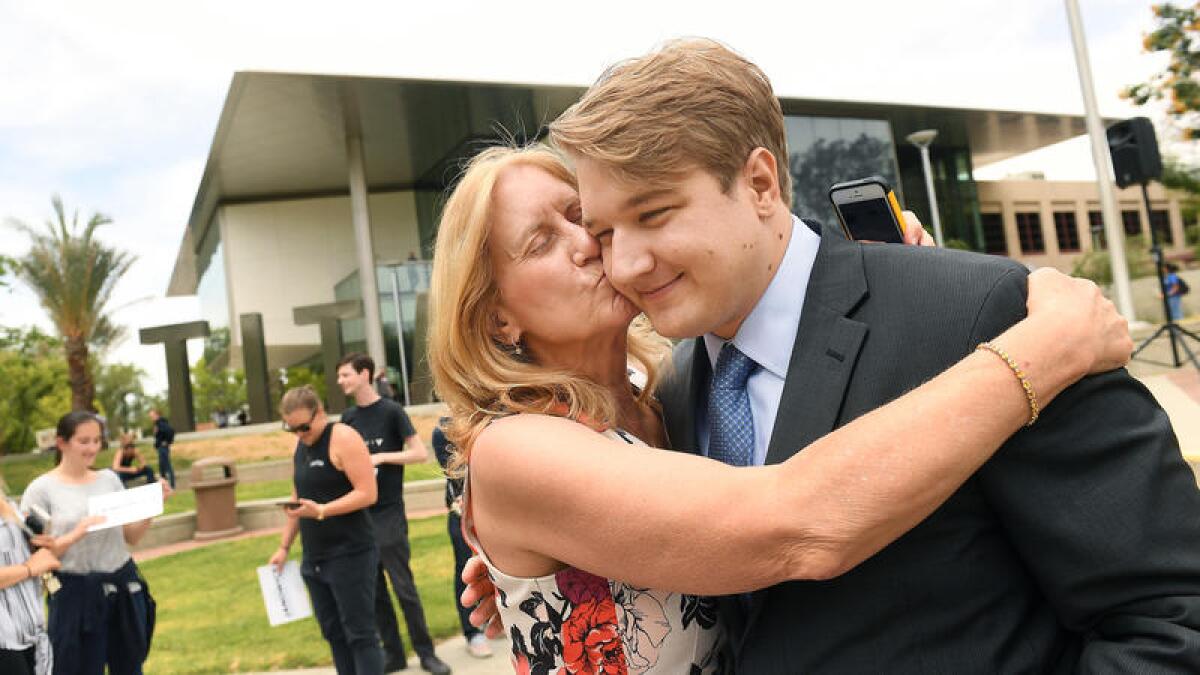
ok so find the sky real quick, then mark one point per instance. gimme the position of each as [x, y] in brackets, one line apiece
[113, 105]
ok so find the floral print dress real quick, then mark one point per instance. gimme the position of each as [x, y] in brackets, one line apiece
[575, 622]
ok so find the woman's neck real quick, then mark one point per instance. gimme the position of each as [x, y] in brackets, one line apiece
[74, 472]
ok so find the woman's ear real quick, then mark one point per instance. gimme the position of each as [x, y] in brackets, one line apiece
[505, 329]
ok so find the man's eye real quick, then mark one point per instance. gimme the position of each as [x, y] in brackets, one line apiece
[653, 214]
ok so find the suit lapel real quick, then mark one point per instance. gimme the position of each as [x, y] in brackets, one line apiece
[684, 393]
[826, 349]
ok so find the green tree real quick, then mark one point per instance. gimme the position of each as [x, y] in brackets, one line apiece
[1176, 32]
[217, 389]
[73, 275]
[1096, 265]
[35, 392]
[119, 394]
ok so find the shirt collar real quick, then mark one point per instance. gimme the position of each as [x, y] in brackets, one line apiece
[769, 333]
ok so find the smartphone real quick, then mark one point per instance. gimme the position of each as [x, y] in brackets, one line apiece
[868, 210]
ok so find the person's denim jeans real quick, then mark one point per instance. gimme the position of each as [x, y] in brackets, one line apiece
[1175, 304]
[342, 590]
[164, 464]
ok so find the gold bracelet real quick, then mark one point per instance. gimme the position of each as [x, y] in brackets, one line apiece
[320, 512]
[1025, 384]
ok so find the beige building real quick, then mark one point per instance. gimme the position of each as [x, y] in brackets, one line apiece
[1050, 223]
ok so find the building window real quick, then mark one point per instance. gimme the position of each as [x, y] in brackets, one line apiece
[1161, 223]
[1029, 231]
[1132, 223]
[1067, 231]
[827, 150]
[1096, 225]
[993, 233]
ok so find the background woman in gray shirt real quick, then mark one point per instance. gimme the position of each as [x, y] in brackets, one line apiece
[103, 614]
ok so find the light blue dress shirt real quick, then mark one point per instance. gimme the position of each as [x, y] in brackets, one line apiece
[767, 336]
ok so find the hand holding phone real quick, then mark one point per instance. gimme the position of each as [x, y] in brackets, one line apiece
[868, 210]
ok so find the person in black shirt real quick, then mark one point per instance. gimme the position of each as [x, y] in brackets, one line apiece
[164, 436]
[332, 487]
[392, 442]
[477, 642]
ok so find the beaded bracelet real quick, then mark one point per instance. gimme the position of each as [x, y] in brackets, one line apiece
[1025, 384]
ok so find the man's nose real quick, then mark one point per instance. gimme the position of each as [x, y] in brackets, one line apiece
[628, 259]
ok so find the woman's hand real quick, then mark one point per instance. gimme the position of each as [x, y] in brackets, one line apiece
[42, 561]
[480, 598]
[278, 559]
[307, 509]
[914, 232]
[1079, 319]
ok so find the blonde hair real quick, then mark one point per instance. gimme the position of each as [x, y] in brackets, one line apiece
[478, 376]
[691, 103]
[299, 397]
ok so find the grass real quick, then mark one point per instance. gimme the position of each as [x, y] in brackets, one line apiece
[18, 473]
[185, 500]
[211, 617]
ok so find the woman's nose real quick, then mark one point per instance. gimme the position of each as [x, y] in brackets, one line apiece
[587, 248]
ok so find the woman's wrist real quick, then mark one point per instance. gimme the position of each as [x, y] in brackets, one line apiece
[29, 570]
[1049, 363]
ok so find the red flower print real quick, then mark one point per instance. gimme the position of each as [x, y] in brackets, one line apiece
[579, 587]
[591, 640]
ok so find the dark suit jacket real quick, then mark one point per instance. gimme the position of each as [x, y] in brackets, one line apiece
[1077, 547]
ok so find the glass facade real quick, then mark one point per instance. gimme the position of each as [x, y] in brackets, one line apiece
[399, 286]
[823, 151]
[213, 297]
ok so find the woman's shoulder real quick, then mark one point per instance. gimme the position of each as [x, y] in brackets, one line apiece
[109, 478]
[38, 486]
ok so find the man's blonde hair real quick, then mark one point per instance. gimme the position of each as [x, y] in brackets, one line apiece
[692, 103]
[479, 377]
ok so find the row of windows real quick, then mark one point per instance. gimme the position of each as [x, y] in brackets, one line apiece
[1029, 230]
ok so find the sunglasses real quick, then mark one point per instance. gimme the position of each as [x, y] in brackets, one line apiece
[301, 428]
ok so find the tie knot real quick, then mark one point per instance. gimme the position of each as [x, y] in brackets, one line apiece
[733, 368]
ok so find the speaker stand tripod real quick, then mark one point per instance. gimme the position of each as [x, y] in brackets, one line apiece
[1177, 334]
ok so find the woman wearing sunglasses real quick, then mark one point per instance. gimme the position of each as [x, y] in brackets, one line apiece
[333, 483]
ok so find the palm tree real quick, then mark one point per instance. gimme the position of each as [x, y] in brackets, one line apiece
[73, 275]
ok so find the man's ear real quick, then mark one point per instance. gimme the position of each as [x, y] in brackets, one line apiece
[762, 178]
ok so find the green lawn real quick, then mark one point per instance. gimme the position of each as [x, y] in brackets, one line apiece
[211, 616]
[18, 474]
[185, 500]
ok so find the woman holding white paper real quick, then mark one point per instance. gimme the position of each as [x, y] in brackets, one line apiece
[90, 624]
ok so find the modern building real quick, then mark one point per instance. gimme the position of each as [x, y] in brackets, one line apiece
[1051, 223]
[325, 188]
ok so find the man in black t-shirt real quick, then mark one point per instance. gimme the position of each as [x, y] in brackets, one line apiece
[393, 442]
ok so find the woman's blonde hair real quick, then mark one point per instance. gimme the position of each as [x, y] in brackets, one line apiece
[479, 377]
[299, 397]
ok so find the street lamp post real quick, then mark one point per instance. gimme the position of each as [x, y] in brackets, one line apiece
[922, 139]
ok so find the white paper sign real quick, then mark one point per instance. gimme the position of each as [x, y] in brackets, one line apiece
[283, 593]
[126, 506]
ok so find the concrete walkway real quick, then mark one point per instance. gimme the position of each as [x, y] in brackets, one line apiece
[453, 652]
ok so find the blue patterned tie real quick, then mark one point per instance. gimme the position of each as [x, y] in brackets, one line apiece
[731, 427]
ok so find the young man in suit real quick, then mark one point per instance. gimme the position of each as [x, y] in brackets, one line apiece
[1077, 548]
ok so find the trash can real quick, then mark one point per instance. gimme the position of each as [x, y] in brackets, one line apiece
[214, 480]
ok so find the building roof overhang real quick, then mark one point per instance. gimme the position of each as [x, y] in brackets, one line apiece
[283, 136]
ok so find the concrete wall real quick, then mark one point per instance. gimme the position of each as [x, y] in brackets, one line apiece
[1008, 197]
[284, 254]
